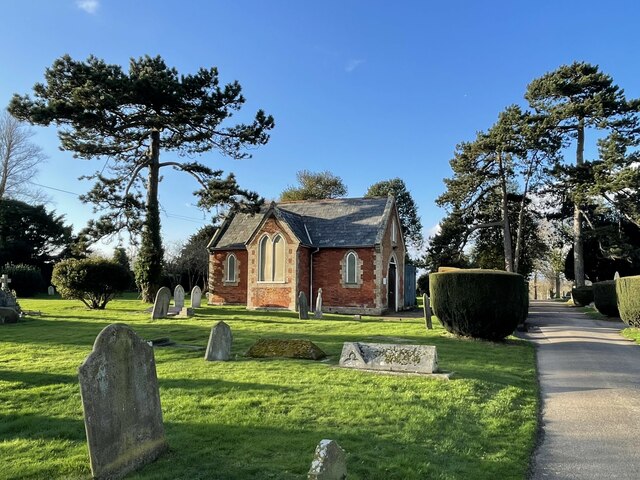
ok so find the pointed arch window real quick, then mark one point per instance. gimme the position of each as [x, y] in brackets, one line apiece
[351, 266]
[271, 259]
[232, 263]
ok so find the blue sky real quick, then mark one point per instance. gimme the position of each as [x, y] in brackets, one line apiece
[368, 90]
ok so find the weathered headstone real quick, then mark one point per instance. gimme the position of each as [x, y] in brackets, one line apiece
[220, 340]
[51, 291]
[317, 313]
[303, 306]
[178, 297]
[9, 308]
[9, 315]
[389, 357]
[121, 402]
[161, 305]
[196, 297]
[329, 462]
[426, 305]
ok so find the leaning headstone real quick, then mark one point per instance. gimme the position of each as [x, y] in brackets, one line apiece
[196, 297]
[427, 311]
[161, 305]
[303, 306]
[178, 297]
[329, 462]
[121, 403]
[51, 291]
[318, 311]
[389, 357]
[220, 340]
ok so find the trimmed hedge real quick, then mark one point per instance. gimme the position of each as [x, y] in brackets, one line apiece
[628, 292]
[605, 298]
[582, 296]
[479, 303]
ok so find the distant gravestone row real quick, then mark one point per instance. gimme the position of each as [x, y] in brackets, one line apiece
[162, 304]
[303, 305]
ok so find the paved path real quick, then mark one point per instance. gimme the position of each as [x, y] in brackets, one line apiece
[590, 381]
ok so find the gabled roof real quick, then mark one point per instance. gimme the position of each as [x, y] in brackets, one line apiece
[342, 222]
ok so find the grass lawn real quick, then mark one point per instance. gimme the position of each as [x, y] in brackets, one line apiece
[261, 419]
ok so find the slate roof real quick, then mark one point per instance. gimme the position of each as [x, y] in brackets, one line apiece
[342, 222]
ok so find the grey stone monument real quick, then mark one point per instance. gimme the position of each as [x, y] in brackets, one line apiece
[51, 291]
[196, 297]
[426, 305]
[4, 282]
[161, 305]
[121, 403]
[220, 340]
[303, 306]
[389, 357]
[317, 313]
[178, 297]
[329, 462]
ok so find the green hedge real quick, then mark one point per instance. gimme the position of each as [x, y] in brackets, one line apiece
[605, 298]
[582, 295]
[479, 303]
[26, 280]
[628, 292]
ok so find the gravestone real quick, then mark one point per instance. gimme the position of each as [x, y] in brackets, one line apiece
[184, 312]
[178, 297]
[616, 275]
[161, 305]
[389, 357]
[426, 305]
[196, 297]
[220, 340]
[329, 462]
[318, 311]
[51, 291]
[4, 282]
[303, 306]
[9, 308]
[121, 403]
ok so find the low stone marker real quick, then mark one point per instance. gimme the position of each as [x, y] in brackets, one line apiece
[276, 347]
[196, 297]
[317, 313]
[185, 312]
[121, 403]
[426, 305]
[178, 297]
[220, 340]
[329, 462]
[161, 304]
[303, 306]
[389, 357]
[51, 291]
[9, 315]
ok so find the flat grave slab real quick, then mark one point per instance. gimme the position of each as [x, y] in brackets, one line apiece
[390, 357]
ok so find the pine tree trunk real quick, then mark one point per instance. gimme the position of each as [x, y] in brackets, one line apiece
[578, 251]
[149, 268]
[506, 230]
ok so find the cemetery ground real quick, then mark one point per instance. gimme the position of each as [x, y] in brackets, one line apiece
[262, 418]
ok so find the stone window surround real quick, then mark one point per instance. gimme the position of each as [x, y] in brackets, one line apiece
[343, 271]
[284, 259]
[225, 273]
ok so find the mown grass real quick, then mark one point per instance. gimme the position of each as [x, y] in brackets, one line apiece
[632, 333]
[261, 419]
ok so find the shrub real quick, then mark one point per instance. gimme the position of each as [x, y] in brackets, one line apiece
[628, 293]
[479, 303]
[423, 284]
[582, 295]
[94, 281]
[26, 280]
[605, 298]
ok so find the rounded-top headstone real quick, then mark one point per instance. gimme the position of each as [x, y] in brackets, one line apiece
[196, 297]
[178, 297]
[161, 304]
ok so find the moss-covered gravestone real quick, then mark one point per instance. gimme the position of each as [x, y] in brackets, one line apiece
[285, 348]
[121, 403]
[329, 462]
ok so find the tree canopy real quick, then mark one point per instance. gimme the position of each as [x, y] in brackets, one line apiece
[407, 208]
[314, 186]
[127, 117]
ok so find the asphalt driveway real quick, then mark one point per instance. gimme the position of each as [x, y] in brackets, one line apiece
[590, 387]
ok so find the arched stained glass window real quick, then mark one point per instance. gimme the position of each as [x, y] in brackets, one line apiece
[231, 268]
[351, 266]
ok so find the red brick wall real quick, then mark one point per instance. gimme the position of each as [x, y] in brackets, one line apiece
[219, 293]
[303, 271]
[327, 274]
